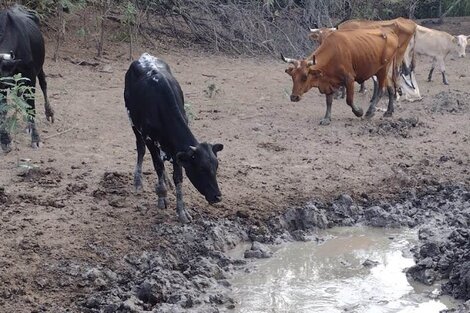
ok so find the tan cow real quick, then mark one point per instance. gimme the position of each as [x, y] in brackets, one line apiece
[438, 44]
[346, 56]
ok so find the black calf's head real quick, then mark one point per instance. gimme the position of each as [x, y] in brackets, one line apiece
[200, 164]
[8, 64]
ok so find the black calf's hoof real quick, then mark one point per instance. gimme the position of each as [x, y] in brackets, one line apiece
[388, 114]
[184, 217]
[6, 147]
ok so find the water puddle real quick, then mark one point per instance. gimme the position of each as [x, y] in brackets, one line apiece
[330, 277]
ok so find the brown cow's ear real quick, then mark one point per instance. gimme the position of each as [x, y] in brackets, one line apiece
[315, 73]
[289, 71]
[314, 36]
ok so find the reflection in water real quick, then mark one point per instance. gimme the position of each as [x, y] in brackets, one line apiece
[330, 278]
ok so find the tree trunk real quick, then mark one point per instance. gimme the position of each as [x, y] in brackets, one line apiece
[60, 29]
[104, 12]
[441, 17]
[130, 42]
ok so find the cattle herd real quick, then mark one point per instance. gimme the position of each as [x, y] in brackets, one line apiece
[354, 51]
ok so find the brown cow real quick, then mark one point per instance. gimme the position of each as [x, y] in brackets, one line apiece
[343, 57]
[404, 28]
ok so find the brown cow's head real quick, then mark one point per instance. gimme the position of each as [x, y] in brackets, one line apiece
[299, 71]
[304, 77]
[319, 34]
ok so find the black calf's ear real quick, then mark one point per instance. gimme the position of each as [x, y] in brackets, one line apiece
[182, 158]
[217, 147]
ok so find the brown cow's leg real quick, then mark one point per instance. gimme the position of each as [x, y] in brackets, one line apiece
[381, 78]
[350, 99]
[327, 119]
[376, 88]
[391, 98]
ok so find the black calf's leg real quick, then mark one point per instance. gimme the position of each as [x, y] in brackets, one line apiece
[47, 106]
[183, 215]
[140, 158]
[160, 188]
[391, 98]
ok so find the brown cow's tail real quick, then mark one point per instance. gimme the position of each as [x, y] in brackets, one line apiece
[413, 55]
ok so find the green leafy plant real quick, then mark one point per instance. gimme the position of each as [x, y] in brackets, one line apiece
[211, 91]
[14, 107]
[129, 21]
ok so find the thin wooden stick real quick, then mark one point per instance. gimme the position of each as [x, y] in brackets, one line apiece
[61, 133]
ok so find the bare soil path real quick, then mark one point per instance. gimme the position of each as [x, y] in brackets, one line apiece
[79, 206]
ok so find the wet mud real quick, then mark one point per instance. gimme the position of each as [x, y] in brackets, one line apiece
[190, 267]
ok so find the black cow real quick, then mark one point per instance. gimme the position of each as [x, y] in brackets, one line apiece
[155, 104]
[22, 51]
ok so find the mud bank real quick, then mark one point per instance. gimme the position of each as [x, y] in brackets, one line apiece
[189, 269]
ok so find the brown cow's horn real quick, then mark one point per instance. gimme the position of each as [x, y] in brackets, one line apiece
[288, 60]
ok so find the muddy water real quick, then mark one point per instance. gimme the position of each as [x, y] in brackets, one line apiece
[329, 277]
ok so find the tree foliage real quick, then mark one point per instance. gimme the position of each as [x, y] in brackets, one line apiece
[236, 26]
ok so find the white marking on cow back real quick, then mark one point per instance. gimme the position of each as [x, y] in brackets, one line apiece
[5, 56]
[152, 63]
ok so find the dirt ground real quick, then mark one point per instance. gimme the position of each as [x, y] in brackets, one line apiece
[79, 205]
